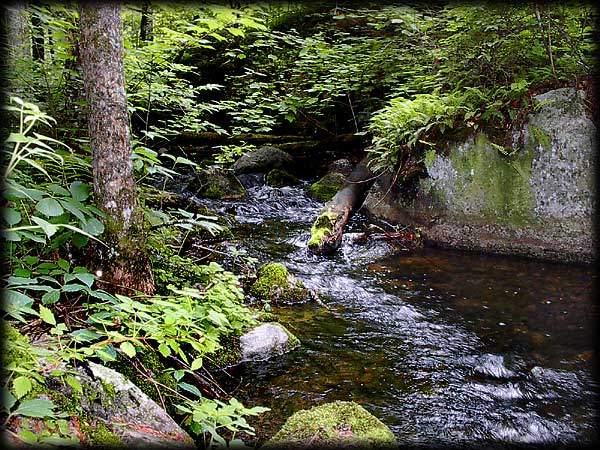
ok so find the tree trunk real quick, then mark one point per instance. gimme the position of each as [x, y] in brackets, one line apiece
[146, 23]
[17, 34]
[327, 231]
[37, 38]
[127, 266]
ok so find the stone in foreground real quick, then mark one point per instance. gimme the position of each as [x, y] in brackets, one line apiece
[333, 425]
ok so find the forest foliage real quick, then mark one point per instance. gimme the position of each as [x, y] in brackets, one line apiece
[406, 76]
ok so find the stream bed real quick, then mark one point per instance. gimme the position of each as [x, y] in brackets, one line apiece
[447, 348]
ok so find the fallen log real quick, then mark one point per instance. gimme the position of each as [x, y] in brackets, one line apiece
[327, 230]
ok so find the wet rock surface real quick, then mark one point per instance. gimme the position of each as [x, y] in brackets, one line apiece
[266, 341]
[263, 160]
[539, 202]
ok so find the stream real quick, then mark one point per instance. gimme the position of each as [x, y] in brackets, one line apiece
[447, 348]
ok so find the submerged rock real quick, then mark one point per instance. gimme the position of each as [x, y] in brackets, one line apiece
[217, 183]
[263, 160]
[280, 178]
[276, 284]
[338, 424]
[342, 166]
[325, 188]
[265, 341]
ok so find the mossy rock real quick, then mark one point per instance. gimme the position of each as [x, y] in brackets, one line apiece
[229, 354]
[322, 227]
[281, 178]
[276, 284]
[333, 425]
[324, 189]
[217, 183]
[263, 160]
[154, 367]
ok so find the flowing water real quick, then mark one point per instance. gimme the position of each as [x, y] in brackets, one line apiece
[447, 348]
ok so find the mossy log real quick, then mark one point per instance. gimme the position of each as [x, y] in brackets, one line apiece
[208, 142]
[327, 230]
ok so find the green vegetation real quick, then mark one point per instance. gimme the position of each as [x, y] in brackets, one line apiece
[276, 284]
[280, 178]
[327, 186]
[336, 424]
[408, 77]
[321, 227]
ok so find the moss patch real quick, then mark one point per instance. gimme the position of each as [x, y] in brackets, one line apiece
[494, 184]
[152, 363]
[217, 183]
[228, 355]
[275, 284]
[280, 178]
[321, 228]
[324, 189]
[102, 437]
[336, 424]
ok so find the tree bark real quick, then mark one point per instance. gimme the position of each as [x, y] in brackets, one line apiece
[37, 38]
[328, 229]
[146, 23]
[127, 266]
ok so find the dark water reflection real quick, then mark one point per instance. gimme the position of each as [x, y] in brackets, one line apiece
[447, 348]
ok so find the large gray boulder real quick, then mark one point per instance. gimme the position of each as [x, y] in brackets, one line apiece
[263, 160]
[538, 202]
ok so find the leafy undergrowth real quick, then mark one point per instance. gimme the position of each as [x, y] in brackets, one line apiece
[49, 220]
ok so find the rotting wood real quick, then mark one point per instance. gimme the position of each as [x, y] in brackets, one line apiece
[328, 228]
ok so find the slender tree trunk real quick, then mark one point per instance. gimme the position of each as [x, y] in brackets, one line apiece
[37, 38]
[16, 45]
[17, 34]
[146, 23]
[101, 54]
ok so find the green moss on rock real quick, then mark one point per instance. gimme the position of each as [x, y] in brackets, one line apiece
[217, 183]
[152, 363]
[280, 178]
[336, 424]
[228, 355]
[100, 436]
[275, 284]
[324, 189]
[322, 227]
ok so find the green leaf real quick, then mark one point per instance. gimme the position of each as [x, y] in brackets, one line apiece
[49, 207]
[128, 349]
[83, 335]
[11, 216]
[86, 278]
[36, 408]
[8, 399]
[21, 386]
[80, 191]
[164, 349]
[190, 388]
[47, 227]
[93, 226]
[47, 316]
[63, 264]
[196, 364]
[74, 383]
[51, 297]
